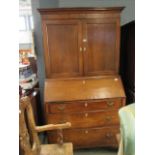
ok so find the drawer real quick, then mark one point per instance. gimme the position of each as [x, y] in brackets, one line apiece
[88, 137]
[69, 107]
[86, 119]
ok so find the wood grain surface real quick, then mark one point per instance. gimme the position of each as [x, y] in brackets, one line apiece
[83, 89]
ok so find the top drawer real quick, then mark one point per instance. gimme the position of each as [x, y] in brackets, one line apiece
[75, 106]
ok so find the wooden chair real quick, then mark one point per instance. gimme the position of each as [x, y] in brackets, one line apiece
[28, 132]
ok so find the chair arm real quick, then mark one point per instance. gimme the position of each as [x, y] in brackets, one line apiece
[52, 127]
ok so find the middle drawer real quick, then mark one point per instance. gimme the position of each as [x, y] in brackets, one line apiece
[78, 106]
[86, 119]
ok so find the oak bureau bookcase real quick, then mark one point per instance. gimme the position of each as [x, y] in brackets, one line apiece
[82, 86]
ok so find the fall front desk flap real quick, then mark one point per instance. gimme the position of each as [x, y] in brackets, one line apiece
[83, 88]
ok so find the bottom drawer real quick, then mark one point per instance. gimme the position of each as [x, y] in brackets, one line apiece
[88, 137]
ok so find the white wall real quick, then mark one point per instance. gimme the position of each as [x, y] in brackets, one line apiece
[48, 3]
[127, 15]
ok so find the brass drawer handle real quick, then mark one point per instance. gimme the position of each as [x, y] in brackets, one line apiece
[62, 107]
[110, 103]
[108, 118]
[109, 135]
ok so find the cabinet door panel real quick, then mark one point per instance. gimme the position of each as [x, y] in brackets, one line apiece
[101, 54]
[62, 44]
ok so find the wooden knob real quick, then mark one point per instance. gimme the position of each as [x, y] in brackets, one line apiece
[86, 104]
[86, 131]
[115, 79]
[86, 114]
[83, 81]
[84, 40]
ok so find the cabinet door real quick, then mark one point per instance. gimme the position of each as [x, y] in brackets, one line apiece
[101, 46]
[62, 39]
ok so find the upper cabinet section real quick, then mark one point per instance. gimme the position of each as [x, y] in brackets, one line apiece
[61, 45]
[81, 41]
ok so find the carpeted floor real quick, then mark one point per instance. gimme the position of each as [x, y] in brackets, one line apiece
[97, 151]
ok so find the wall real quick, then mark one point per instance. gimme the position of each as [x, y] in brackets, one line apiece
[48, 3]
[38, 38]
[127, 15]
